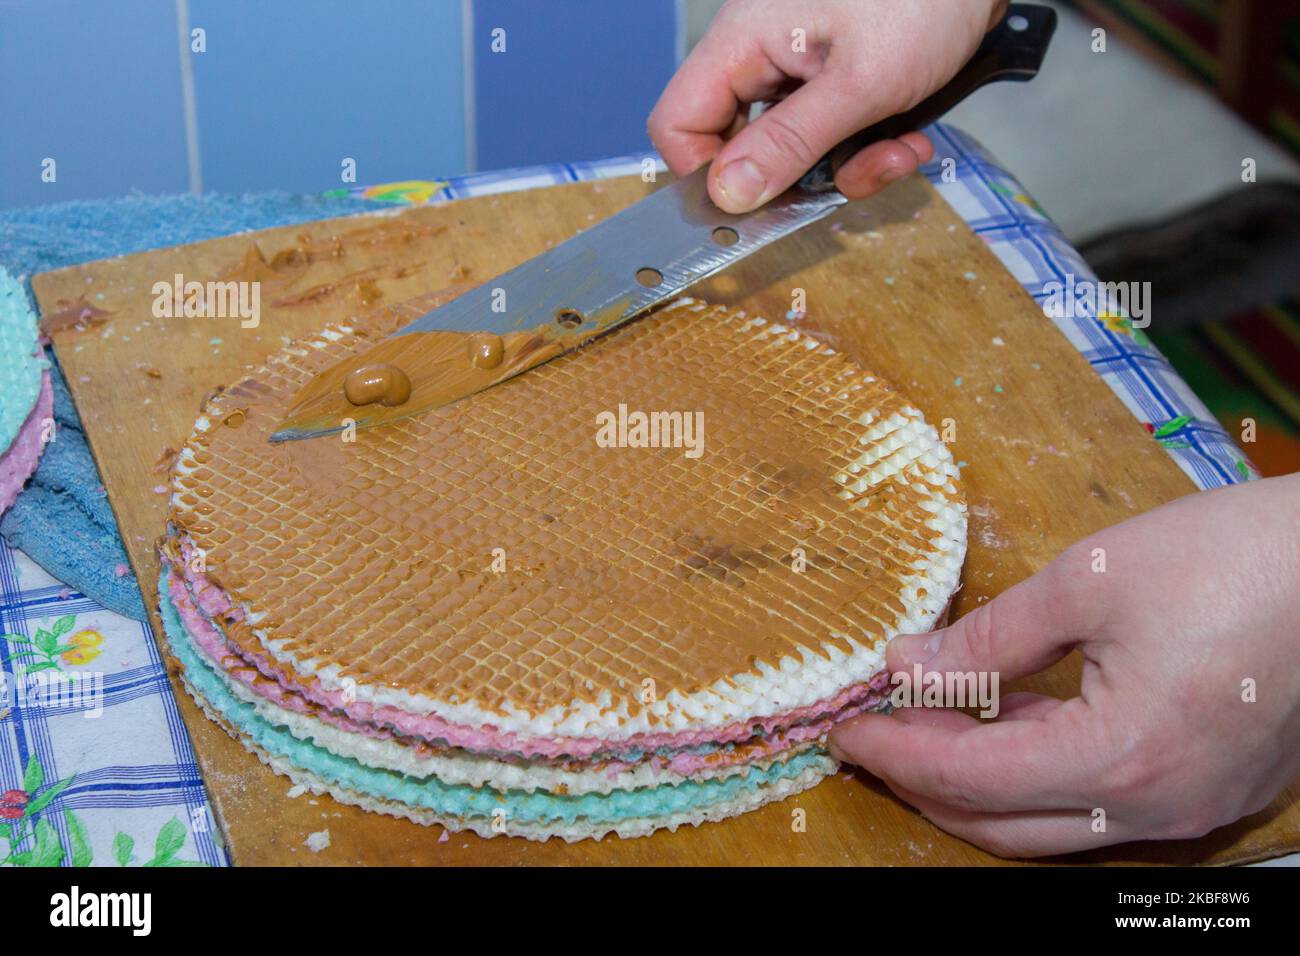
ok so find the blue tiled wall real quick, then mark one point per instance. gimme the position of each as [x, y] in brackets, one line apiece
[95, 87]
[286, 89]
[576, 80]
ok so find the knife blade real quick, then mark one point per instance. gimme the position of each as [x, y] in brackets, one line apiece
[613, 272]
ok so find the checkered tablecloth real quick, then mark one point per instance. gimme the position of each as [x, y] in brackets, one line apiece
[103, 773]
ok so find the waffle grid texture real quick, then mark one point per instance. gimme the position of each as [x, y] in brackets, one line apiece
[22, 361]
[19, 460]
[365, 565]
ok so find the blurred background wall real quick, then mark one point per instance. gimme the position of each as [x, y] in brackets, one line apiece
[284, 90]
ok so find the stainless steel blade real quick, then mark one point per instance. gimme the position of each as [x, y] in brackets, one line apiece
[676, 231]
[559, 300]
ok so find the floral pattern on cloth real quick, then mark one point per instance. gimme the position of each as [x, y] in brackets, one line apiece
[410, 192]
[33, 839]
[42, 651]
[1123, 325]
[95, 765]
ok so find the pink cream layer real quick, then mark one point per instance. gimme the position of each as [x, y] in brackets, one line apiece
[19, 460]
[209, 639]
[800, 724]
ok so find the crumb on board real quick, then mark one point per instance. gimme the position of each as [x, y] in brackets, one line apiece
[318, 841]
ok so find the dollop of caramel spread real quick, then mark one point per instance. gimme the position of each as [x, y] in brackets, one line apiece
[486, 350]
[385, 384]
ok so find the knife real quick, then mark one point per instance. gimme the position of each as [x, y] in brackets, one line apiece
[613, 272]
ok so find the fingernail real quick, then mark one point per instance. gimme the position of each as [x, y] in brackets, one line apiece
[742, 183]
[917, 648]
[836, 752]
[889, 175]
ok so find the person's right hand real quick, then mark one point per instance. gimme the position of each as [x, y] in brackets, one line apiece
[861, 61]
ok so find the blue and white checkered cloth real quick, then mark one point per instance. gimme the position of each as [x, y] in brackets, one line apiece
[107, 776]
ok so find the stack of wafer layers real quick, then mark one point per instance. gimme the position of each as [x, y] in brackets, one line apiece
[628, 590]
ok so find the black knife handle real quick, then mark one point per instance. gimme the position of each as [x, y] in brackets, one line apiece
[1012, 50]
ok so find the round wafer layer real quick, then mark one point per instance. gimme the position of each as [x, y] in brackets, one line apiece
[493, 564]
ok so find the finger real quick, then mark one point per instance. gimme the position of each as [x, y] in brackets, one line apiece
[704, 98]
[786, 140]
[876, 166]
[1023, 834]
[1021, 631]
[1025, 706]
[956, 760]
[738, 122]
[920, 144]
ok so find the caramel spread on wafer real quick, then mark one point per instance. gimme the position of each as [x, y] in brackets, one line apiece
[621, 565]
[486, 350]
[386, 384]
[410, 373]
[441, 366]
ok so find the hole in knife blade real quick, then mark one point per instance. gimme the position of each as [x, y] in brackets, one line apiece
[649, 277]
[725, 236]
[569, 318]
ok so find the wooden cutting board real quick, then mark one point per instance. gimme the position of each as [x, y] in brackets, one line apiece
[898, 282]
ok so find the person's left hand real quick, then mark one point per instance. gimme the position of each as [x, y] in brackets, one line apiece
[1188, 715]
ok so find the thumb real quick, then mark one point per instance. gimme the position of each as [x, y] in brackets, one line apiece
[783, 143]
[1021, 631]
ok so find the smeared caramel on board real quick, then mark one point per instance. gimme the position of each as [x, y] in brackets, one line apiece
[72, 315]
[622, 564]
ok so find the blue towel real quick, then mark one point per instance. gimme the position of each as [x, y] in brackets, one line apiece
[62, 519]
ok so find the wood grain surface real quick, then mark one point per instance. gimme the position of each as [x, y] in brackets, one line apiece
[898, 282]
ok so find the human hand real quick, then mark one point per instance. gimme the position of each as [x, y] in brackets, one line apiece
[1197, 597]
[860, 62]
